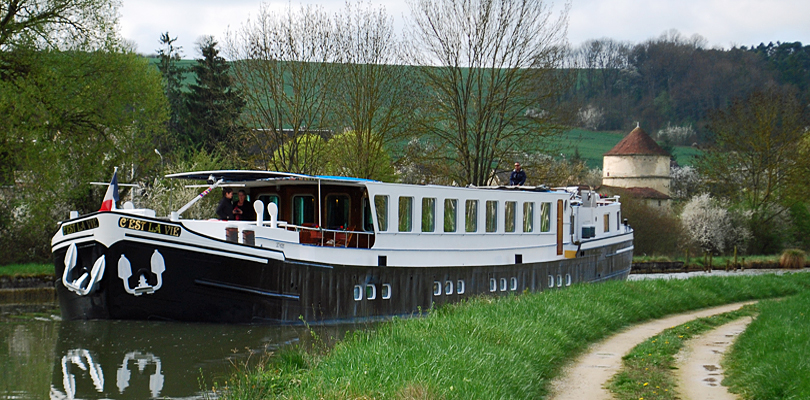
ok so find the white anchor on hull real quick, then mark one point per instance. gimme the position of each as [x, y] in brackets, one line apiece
[86, 283]
[125, 272]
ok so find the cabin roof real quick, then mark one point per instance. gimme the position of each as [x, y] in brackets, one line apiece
[231, 176]
[637, 142]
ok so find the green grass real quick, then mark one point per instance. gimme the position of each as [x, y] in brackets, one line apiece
[592, 145]
[718, 262]
[26, 269]
[509, 347]
[647, 370]
[771, 359]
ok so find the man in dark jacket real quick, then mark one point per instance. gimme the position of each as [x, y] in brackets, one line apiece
[518, 177]
[225, 207]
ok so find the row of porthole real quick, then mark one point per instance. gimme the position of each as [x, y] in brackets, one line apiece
[559, 280]
[371, 292]
[493, 284]
[448, 287]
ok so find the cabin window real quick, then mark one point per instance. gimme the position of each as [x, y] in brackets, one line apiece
[450, 214]
[448, 288]
[303, 210]
[567, 279]
[471, 216]
[371, 292]
[493, 285]
[607, 222]
[405, 214]
[513, 284]
[381, 205]
[267, 199]
[358, 293]
[528, 216]
[559, 280]
[386, 291]
[545, 217]
[509, 216]
[571, 225]
[337, 211]
[460, 287]
[618, 220]
[368, 219]
[551, 281]
[428, 214]
[503, 284]
[437, 288]
[492, 216]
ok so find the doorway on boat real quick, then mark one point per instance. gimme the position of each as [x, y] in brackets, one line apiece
[303, 210]
[337, 211]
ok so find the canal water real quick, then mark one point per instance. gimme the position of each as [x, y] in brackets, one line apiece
[42, 357]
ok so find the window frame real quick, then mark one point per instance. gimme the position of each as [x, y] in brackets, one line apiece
[381, 213]
[470, 224]
[403, 200]
[491, 216]
[429, 207]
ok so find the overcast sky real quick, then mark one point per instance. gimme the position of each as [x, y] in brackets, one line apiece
[723, 23]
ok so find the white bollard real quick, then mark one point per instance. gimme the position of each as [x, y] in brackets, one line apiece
[272, 209]
[258, 206]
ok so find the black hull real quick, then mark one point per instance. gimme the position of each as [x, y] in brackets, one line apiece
[198, 287]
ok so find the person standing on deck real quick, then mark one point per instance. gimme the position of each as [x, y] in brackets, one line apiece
[518, 177]
[225, 207]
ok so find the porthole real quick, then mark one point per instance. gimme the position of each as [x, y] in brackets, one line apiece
[460, 287]
[358, 293]
[437, 288]
[513, 284]
[551, 281]
[493, 285]
[371, 292]
[559, 280]
[567, 279]
[448, 287]
[503, 284]
[386, 291]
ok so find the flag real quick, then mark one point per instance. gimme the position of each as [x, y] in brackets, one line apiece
[112, 194]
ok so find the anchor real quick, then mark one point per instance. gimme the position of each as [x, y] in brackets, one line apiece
[141, 360]
[125, 272]
[86, 283]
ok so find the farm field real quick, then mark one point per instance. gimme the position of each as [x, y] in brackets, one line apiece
[592, 145]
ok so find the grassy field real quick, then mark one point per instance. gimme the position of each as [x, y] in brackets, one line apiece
[509, 347]
[771, 359]
[647, 370]
[26, 269]
[592, 145]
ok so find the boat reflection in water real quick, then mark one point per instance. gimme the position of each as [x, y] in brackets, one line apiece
[139, 360]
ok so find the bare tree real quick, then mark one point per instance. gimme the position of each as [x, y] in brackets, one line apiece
[284, 69]
[490, 65]
[374, 96]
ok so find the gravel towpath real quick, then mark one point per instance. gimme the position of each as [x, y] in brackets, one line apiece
[584, 378]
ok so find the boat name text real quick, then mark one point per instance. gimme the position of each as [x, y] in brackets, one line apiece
[148, 226]
[76, 227]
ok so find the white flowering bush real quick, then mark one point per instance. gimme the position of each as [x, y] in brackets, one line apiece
[591, 117]
[685, 182]
[677, 135]
[711, 226]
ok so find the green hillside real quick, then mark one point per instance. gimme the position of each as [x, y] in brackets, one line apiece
[592, 145]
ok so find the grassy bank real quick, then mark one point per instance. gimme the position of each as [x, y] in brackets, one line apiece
[26, 269]
[771, 359]
[490, 348]
[647, 370]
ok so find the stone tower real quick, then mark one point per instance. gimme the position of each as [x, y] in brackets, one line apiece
[637, 162]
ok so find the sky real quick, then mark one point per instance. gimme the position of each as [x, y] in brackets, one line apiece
[723, 23]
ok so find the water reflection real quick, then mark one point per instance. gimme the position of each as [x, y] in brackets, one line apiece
[41, 358]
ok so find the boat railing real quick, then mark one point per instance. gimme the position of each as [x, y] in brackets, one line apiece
[349, 237]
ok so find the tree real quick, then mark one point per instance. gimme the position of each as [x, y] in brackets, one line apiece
[362, 157]
[285, 72]
[172, 82]
[491, 67]
[213, 103]
[374, 99]
[711, 226]
[759, 158]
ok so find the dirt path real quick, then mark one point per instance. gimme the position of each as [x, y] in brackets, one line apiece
[699, 373]
[584, 378]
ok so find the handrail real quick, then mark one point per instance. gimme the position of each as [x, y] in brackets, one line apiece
[332, 237]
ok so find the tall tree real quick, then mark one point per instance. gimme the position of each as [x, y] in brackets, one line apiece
[285, 71]
[172, 74]
[759, 159]
[492, 67]
[213, 103]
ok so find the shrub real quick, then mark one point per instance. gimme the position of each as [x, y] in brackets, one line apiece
[792, 258]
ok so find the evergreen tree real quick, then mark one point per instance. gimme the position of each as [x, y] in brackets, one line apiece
[212, 102]
[172, 82]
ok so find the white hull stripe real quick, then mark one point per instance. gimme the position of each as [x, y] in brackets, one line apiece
[199, 249]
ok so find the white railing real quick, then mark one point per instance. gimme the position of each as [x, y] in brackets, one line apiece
[350, 238]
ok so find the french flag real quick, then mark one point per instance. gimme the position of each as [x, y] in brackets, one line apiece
[112, 194]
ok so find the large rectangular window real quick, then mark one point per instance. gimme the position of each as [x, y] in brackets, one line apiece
[545, 217]
[492, 216]
[450, 214]
[303, 210]
[471, 216]
[509, 216]
[607, 222]
[405, 214]
[381, 205]
[528, 216]
[428, 214]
